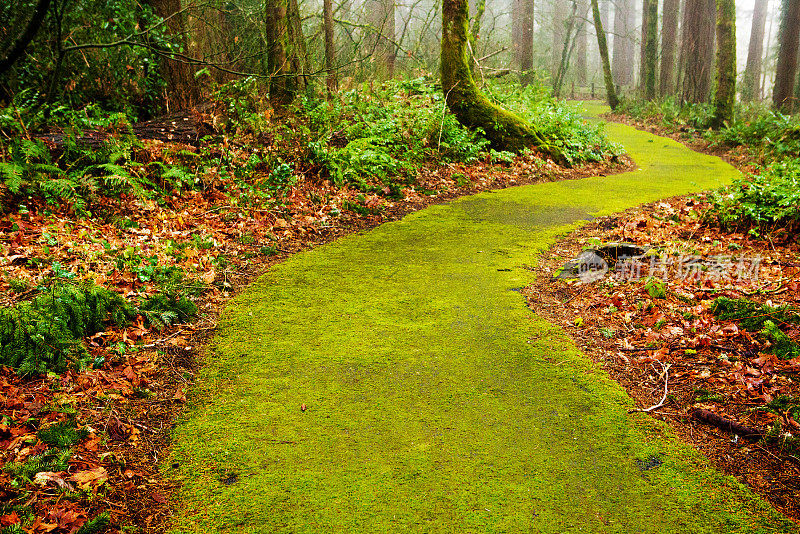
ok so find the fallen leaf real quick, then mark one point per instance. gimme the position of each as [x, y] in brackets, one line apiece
[90, 477]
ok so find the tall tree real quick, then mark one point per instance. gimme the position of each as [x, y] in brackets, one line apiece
[525, 47]
[650, 23]
[786, 70]
[611, 91]
[581, 39]
[21, 43]
[725, 96]
[505, 130]
[697, 45]
[624, 21]
[332, 81]
[381, 16]
[281, 55]
[669, 34]
[751, 81]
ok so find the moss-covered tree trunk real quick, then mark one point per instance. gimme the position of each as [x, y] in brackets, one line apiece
[669, 34]
[725, 97]
[505, 130]
[786, 69]
[602, 44]
[650, 50]
[283, 76]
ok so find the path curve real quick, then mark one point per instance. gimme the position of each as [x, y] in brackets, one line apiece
[436, 401]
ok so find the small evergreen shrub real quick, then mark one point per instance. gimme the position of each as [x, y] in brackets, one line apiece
[95, 526]
[43, 334]
[751, 315]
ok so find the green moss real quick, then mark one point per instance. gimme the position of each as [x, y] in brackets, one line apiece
[433, 403]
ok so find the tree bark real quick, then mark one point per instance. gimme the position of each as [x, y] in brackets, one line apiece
[283, 76]
[650, 49]
[725, 97]
[611, 92]
[698, 49]
[669, 34]
[22, 42]
[624, 15]
[332, 81]
[581, 39]
[786, 70]
[526, 42]
[751, 81]
[559, 21]
[505, 130]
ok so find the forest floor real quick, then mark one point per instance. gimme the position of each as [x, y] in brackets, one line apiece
[406, 386]
[129, 404]
[128, 401]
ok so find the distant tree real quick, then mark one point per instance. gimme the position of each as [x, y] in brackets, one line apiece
[751, 81]
[332, 81]
[611, 91]
[698, 49]
[24, 39]
[381, 15]
[786, 69]
[725, 96]
[559, 20]
[669, 34]
[524, 46]
[581, 39]
[505, 130]
[650, 49]
[624, 17]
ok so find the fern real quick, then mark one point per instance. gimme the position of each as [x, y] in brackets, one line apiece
[96, 525]
[12, 176]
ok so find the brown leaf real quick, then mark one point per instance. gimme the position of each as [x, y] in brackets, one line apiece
[91, 477]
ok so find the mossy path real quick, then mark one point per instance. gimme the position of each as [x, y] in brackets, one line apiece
[436, 401]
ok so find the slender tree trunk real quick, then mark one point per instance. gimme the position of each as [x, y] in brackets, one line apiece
[698, 49]
[580, 44]
[332, 81]
[611, 91]
[651, 50]
[643, 46]
[505, 130]
[786, 69]
[526, 42]
[622, 68]
[669, 34]
[751, 81]
[283, 76]
[725, 96]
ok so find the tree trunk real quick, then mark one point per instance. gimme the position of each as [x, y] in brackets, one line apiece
[505, 130]
[526, 42]
[182, 90]
[611, 91]
[623, 43]
[332, 81]
[283, 76]
[642, 46]
[650, 50]
[725, 96]
[581, 43]
[698, 49]
[381, 16]
[751, 81]
[669, 34]
[786, 69]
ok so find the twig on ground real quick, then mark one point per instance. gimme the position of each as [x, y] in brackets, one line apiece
[665, 374]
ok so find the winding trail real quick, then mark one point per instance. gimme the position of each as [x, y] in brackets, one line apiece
[437, 402]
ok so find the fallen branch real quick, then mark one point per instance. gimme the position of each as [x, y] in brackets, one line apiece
[728, 425]
[665, 373]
